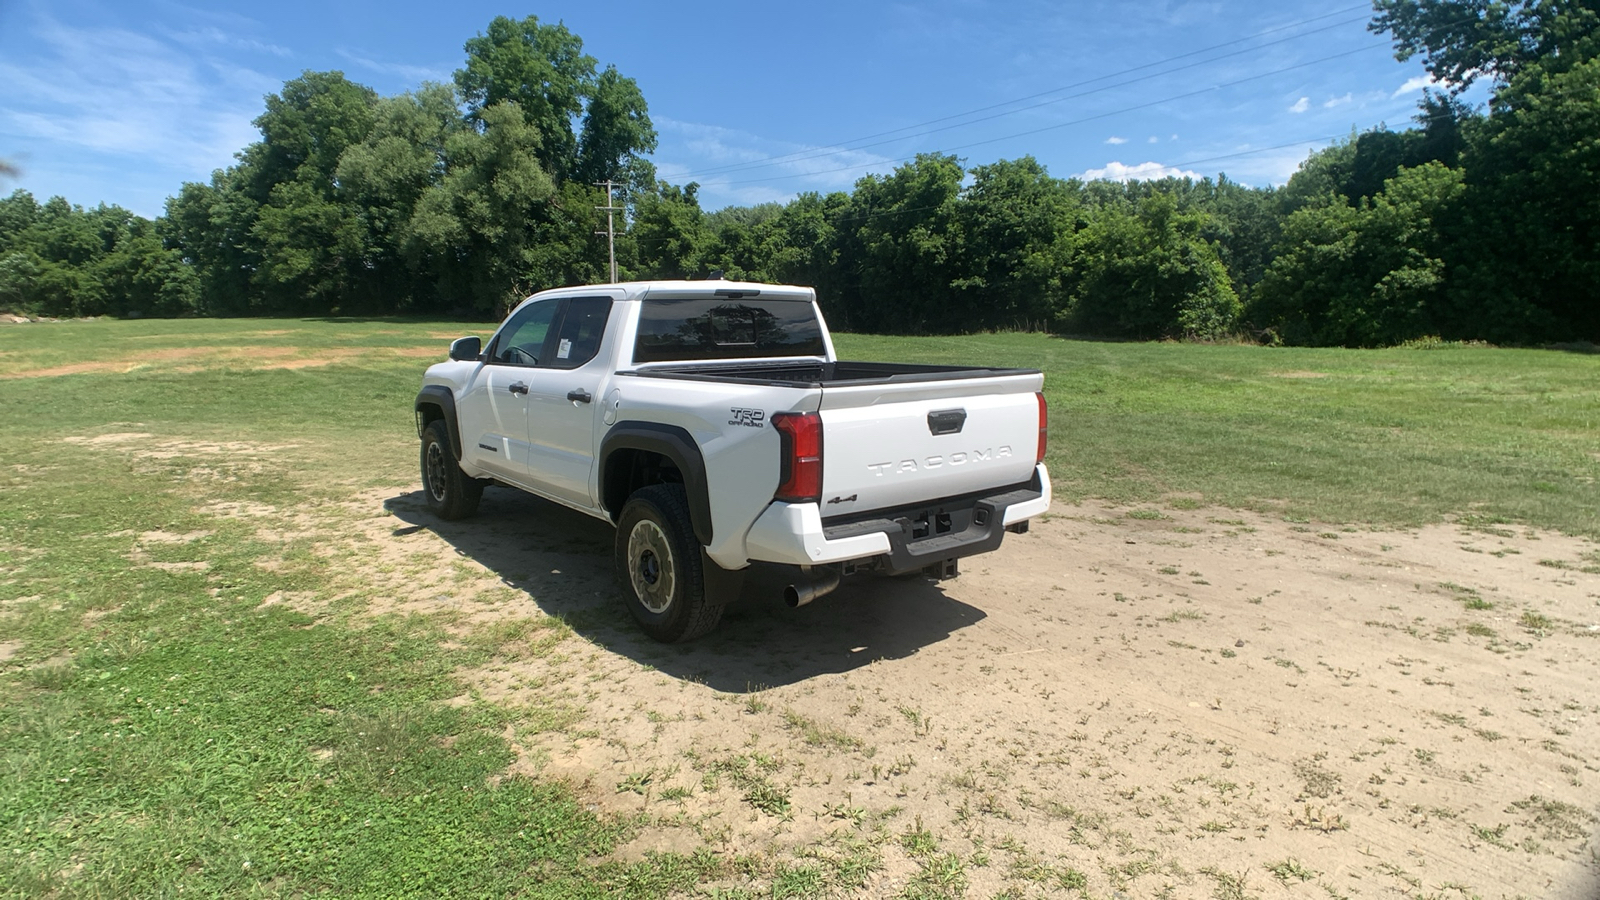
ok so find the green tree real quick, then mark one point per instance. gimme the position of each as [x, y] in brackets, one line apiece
[809, 253]
[383, 179]
[670, 232]
[485, 212]
[1464, 40]
[540, 68]
[1524, 261]
[1243, 224]
[902, 247]
[617, 134]
[64, 260]
[312, 245]
[1149, 272]
[1528, 258]
[305, 129]
[1017, 225]
[1369, 273]
[210, 227]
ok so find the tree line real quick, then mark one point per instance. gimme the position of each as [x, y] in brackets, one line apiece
[462, 198]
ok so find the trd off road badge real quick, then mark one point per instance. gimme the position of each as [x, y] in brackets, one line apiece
[750, 418]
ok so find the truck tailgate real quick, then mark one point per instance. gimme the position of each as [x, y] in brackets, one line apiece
[890, 445]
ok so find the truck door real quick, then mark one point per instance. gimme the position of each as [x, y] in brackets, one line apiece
[494, 414]
[565, 401]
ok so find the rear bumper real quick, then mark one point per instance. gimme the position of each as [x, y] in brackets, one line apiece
[907, 539]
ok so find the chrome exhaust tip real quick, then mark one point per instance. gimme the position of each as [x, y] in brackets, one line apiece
[820, 583]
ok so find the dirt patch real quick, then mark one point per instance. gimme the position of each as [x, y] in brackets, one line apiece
[192, 359]
[239, 509]
[1171, 706]
[9, 649]
[305, 601]
[143, 445]
[100, 440]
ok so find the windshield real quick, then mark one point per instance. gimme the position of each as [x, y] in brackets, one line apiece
[725, 328]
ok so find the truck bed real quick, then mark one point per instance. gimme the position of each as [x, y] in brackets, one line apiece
[814, 374]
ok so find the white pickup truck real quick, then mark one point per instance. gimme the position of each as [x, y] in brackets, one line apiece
[711, 423]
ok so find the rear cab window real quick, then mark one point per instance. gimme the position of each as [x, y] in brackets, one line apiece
[713, 328]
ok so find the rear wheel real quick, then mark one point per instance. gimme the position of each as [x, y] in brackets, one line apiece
[448, 490]
[658, 563]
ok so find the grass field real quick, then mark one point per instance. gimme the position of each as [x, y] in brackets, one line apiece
[1382, 437]
[167, 725]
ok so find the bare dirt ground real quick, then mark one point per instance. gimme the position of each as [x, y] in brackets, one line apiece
[195, 359]
[1121, 703]
[1128, 703]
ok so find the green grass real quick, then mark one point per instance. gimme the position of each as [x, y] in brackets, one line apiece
[161, 730]
[1383, 437]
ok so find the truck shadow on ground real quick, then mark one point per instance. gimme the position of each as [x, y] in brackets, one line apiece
[562, 560]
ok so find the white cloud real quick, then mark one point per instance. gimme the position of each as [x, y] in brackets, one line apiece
[737, 167]
[121, 94]
[1116, 140]
[413, 74]
[1301, 105]
[211, 36]
[1413, 85]
[1266, 167]
[1145, 171]
[1337, 101]
[1153, 140]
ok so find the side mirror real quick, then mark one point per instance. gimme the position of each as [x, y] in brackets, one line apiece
[465, 349]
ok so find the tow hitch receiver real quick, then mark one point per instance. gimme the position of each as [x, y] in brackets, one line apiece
[943, 569]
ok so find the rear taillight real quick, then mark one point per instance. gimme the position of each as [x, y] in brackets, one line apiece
[800, 474]
[1044, 427]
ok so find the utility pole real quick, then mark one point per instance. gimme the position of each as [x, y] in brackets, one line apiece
[611, 210]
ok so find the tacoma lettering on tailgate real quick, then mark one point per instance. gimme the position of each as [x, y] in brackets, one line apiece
[934, 462]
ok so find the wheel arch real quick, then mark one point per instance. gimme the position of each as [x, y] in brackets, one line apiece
[435, 402]
[632, 455]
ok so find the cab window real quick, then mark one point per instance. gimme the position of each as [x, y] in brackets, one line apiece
[522, 340]
[578, 336]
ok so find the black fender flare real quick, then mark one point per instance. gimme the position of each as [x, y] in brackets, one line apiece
[674, 443]
[442, 397]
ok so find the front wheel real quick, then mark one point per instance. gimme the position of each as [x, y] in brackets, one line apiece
[448, 490]
[658, 563]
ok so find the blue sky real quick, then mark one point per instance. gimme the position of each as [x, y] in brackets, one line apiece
[123, 102]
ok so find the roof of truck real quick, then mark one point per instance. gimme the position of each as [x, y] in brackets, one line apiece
[636, 290]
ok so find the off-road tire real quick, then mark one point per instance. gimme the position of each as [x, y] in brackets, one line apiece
[450, 493]
[659, 566]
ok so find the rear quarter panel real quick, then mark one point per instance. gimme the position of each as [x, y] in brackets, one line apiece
[740, 448]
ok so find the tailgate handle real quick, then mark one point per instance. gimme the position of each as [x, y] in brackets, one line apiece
[946, 421]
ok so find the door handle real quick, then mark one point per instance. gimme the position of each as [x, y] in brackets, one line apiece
[518, 388]
[579, 395]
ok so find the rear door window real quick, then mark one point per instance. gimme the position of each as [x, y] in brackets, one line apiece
[582, 326]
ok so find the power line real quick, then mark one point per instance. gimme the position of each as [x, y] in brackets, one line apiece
[858, 166]
[801, 155]
[1420, 120]
[1058, 125]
